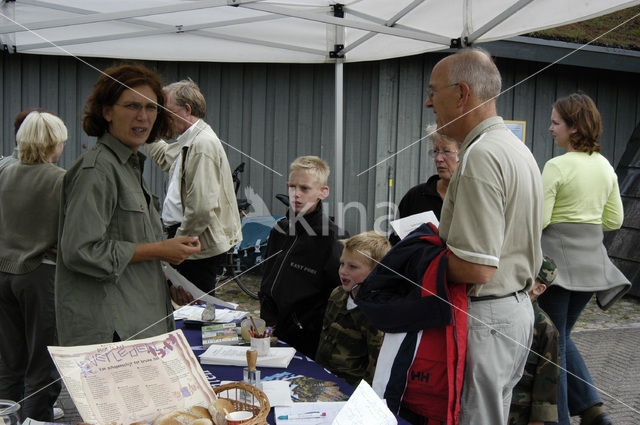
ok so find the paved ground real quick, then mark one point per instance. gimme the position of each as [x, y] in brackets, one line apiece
[612, 358]
[609, 342]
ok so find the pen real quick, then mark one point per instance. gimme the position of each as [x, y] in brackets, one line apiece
[303, 415]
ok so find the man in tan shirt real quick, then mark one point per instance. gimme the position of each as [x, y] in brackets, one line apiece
[492, 221]
[201, 199]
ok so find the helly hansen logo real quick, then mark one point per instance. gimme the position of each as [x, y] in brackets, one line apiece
[303, 268]
[420, 376]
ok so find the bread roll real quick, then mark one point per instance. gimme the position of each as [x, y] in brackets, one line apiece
[186, 418]
[219, 410]
[175, 418]
[167, 419]
[201, 412]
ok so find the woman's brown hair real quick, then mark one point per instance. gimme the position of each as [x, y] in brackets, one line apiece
[580, 112]
[107, 91]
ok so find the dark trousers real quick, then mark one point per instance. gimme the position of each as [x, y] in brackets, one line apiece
[574, 392]
[415, 419]
[28, 325]
[201, 272]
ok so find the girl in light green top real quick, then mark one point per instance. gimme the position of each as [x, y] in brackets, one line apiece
[580, 186]
[581, 198]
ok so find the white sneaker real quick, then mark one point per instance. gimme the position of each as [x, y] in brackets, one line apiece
[58, 413]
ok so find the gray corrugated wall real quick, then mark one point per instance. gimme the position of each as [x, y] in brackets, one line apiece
[275, 112]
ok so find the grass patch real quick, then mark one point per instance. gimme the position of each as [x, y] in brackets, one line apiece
[625, 37]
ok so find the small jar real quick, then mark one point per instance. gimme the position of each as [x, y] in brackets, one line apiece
[10, 412]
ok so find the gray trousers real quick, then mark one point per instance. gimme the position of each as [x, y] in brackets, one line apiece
[28, 325]
[498, 340]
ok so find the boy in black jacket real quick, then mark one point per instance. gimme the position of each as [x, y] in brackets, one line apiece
[305, 246]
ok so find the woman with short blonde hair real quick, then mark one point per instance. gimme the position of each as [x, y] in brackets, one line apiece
[29, 210]
[40, 136]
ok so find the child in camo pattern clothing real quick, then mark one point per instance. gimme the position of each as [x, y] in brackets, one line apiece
[349, 344]
[535, 395]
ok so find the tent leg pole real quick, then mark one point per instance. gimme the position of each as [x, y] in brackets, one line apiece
[339, 148]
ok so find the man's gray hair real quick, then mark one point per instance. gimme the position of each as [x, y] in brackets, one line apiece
[187, 91]
[475, 67]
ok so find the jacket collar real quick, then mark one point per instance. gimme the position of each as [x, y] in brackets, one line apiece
[120, 150]
[483, 127]
[313, 220]
[431, 187]
[192, 132]
[187, 136]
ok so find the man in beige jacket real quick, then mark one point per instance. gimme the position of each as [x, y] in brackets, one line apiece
[200, 199]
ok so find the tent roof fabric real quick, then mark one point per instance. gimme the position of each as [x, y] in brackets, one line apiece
[293, 31]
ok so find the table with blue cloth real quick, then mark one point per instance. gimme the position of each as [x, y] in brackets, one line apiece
[300, 365]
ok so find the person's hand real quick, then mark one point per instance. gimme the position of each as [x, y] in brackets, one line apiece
[176, 250]
[182, 297]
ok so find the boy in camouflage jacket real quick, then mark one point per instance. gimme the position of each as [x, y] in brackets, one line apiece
[349, 344]
[535, 396]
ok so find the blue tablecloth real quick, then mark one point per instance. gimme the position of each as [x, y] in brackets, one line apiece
[300, 365]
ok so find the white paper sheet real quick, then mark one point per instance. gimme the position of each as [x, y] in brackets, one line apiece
[278, 393]
[177, 279]
[224, 315]
[404, 226]
[330, 408]
[189, 312]
[364, 407]
[194, 312]
[229, 355]
[30, 421]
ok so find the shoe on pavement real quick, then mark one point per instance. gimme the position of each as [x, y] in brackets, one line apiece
[58, 413]
[601, 419]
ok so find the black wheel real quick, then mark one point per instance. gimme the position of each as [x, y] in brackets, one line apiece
[249, 283]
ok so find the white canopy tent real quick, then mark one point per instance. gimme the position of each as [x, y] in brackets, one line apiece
[292, 31]
[298, 31]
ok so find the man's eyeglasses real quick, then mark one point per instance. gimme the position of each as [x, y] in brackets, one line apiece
[446, 153]
[431, 90]
[137, 107]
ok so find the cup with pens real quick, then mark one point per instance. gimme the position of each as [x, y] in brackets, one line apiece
[260, 338]
[246, 324]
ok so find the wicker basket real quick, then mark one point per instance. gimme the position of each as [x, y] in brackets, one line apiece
[237, 392]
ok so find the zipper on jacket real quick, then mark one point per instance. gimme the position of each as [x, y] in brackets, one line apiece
[275, 280]
[456, 401]
[406, 378]
[296, 321]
